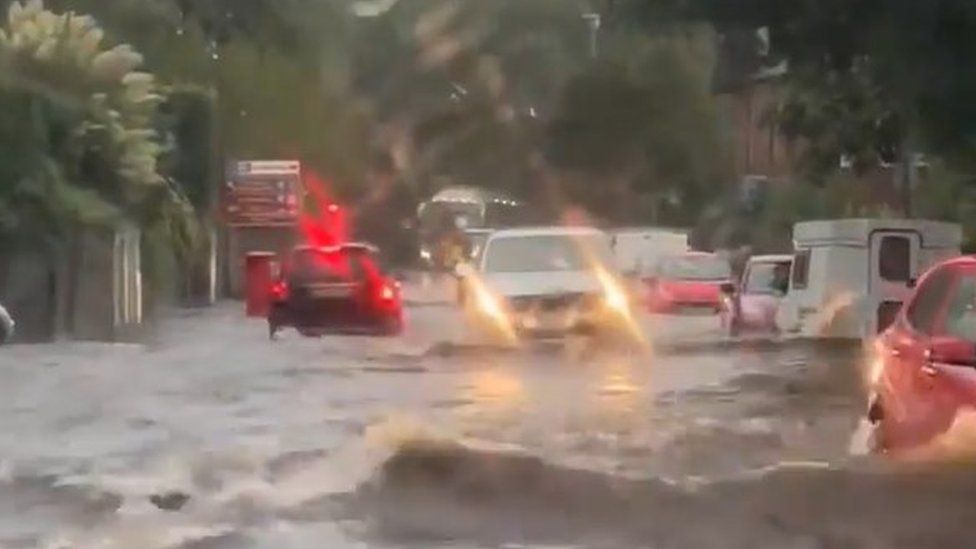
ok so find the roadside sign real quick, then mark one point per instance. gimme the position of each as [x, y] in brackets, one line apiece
[266, 167]
[262, 193]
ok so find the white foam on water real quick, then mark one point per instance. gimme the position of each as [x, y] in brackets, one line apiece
[155, 534]
[353, 464]
[863, 439]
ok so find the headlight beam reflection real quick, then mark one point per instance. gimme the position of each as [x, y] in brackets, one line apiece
[491, 308]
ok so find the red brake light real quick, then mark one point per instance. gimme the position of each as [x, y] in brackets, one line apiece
[387, 293]
[280, 289]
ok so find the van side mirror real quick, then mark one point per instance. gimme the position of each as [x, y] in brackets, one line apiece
[951, 350]
[728, 288]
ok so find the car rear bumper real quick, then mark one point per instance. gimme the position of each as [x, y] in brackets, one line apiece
[565, 322]
[691, 308]
[331, 314]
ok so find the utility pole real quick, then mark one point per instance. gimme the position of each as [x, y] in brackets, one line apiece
[594, 21]
[907, 175]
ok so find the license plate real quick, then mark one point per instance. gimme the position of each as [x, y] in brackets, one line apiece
[698, 310]
[551, 321]
[331, 291]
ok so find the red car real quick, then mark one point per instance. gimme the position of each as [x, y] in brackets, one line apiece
[924, 371]
[688, 283]
[335, 289]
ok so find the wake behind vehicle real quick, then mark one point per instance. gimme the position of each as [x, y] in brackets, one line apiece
[338, 289]
[688, 283]
[923, 376]
[545, 282]
[753, 304]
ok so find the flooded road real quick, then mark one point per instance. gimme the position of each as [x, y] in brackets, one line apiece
[210, 436]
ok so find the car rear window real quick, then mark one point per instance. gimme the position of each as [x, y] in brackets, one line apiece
[339, 266]
[690, 267]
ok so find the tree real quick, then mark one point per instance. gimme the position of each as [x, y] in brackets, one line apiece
[867, 78]
[469, 82]
[642, 121]
[89, 115]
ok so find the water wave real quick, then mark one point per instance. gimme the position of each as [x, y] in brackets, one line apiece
[445, 490]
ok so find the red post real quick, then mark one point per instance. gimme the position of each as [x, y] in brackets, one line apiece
[257, 282]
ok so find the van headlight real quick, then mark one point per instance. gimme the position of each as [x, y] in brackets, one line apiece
[616, 299]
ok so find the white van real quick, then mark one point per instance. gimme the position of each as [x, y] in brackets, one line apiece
[638, 250]
[850, 276]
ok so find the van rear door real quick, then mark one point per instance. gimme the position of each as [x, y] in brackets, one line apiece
[894, 264]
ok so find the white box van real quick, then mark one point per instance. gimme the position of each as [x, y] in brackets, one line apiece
[850, 276]
[638, 250]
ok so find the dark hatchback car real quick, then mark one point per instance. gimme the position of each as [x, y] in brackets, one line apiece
[337, 289]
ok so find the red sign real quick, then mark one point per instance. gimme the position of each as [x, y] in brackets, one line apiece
[262, 194]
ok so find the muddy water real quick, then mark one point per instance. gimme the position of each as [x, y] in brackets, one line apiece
[210, 436]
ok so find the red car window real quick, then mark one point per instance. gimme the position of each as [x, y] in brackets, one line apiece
[960, 317]
[923, 312]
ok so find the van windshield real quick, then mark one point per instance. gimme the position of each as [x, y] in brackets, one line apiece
[768, 278]
[546, 253]
[695, 267]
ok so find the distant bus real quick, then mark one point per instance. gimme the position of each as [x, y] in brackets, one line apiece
[460, 209]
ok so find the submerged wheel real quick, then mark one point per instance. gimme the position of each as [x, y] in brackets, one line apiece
[275, 324]
[392, 327]
[735, 329]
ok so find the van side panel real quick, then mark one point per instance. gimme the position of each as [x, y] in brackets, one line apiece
[831, 303]
[844, 299]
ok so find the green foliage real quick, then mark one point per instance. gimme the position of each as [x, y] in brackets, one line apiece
[81, 122]
[646, 113]
[867, 77]
[488, 88]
